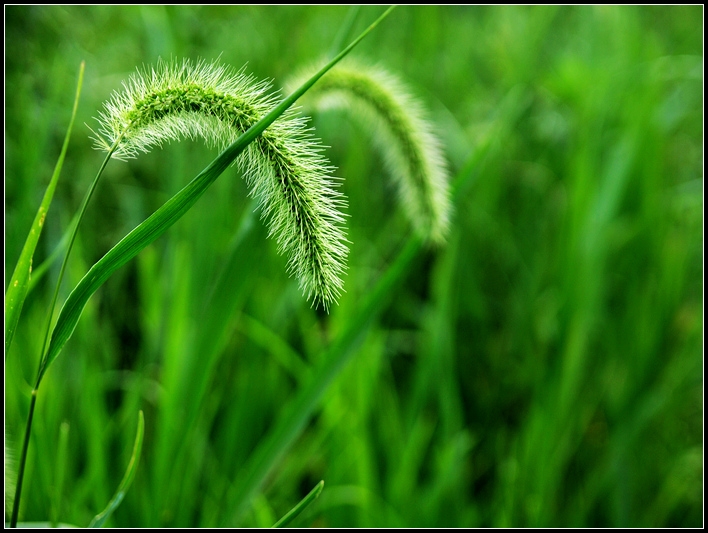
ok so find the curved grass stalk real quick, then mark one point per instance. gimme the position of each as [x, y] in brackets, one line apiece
[283, 167]
[128, 477]
[412, 153]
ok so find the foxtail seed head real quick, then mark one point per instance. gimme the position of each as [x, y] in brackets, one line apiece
[401, 132]
[283, 167]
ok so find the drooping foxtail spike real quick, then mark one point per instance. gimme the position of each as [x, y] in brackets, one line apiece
[284, 167]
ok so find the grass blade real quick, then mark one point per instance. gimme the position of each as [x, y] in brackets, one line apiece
[59, 474]
[19, 283]
[104, 515]
[300, 507]
[39, 272]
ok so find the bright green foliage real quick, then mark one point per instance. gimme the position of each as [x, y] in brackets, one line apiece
[543, 369]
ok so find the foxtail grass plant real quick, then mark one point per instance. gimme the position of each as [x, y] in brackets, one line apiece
[542, 369]
[283, 166]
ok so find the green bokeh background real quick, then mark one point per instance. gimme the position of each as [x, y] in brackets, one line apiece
[542, 369]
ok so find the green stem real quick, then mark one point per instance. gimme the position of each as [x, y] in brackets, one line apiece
[23, 460]
[43, 355]
[300, 507]
[344, 30]
[82, 211]
[258, 128]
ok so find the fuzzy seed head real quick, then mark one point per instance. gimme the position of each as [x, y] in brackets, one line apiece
[284, 167]
[401, 131]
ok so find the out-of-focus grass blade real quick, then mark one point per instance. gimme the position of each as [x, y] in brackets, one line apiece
[300, 507]
[19, 282]
[39, 272]
[57, 491]
[167, 215]
[104, 515]
[344, 30]
[294, 419]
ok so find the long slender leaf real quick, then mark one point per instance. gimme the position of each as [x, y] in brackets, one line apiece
[58, 489]
[168, 214]
[300, 507]
[104, 515]
[19, 282]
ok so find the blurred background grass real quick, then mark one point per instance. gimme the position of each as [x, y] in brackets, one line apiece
[543, 369]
